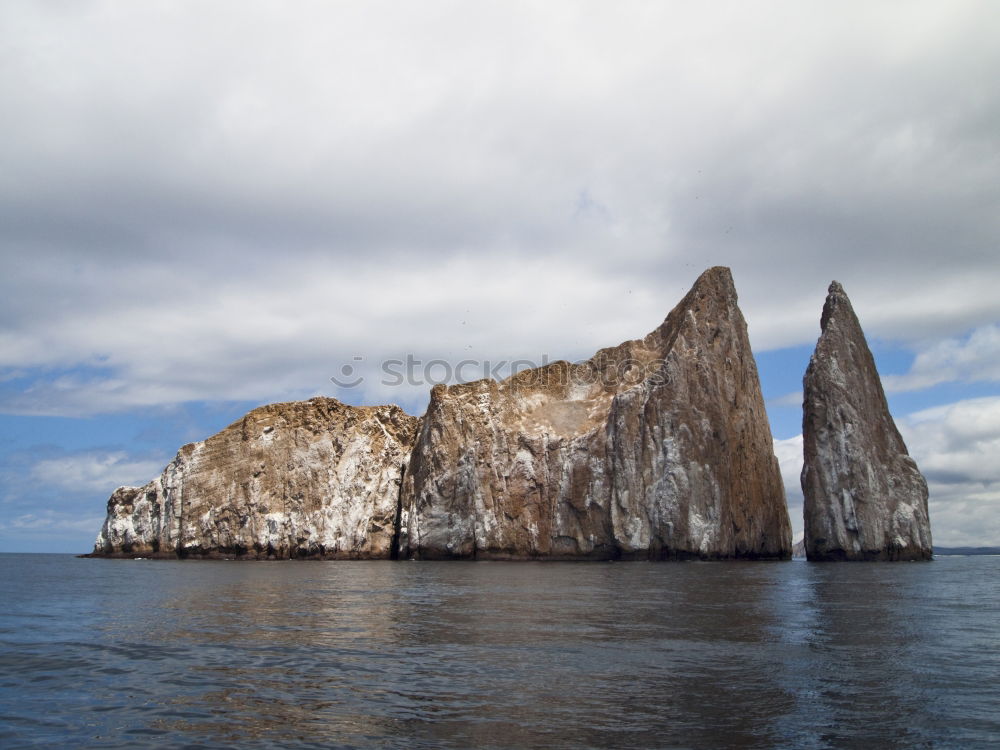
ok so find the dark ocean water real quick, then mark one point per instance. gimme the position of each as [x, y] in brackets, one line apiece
[122, 653]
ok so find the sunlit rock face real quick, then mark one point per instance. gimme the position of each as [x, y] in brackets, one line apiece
[314, 478]
[658, 448]
[865, 498]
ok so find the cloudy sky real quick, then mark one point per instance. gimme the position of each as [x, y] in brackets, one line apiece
[209, 206]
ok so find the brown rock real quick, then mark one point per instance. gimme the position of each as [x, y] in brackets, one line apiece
[865, 498]
[314, 478]
[657, 448]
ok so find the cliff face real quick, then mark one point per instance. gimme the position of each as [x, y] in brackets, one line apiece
[865, 499]
[658, 448]
[314, 478]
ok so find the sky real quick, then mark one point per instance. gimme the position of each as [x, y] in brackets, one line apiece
[208, 206]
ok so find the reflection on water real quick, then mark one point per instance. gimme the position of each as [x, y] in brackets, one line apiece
[368, 654]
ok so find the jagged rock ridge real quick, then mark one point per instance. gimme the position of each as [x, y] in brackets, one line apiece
[658, 448]
[865, 498]
[314, 478]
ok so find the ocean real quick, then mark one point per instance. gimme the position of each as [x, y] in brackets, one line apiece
[131, 653]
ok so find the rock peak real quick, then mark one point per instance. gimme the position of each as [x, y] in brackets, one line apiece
[865, 499]
[717, 275]
[838, 307]
[717, 280]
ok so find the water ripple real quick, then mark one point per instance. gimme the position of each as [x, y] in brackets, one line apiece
[113, 653]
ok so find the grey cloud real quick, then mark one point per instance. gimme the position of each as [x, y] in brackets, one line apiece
[957, 446]
[283, 335]
[965, 515]
[229, 203]
[958, 443]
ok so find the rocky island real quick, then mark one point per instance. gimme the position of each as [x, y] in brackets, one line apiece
[659, 448]
[864, 497]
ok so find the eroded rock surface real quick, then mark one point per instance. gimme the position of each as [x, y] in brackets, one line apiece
[865, 498]
[314, 478]
[657, 448]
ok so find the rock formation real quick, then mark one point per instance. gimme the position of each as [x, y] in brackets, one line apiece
[865, 499]
[315, 478]
[657, 448]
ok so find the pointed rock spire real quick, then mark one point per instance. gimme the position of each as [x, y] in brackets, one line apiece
[865, 498]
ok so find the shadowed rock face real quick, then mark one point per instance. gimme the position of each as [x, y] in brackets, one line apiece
[865, 499]
[657, 448]
[315, 478]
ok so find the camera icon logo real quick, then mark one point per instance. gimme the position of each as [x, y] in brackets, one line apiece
[347, 378]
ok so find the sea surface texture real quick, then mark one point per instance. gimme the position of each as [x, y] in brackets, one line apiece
[124, 653]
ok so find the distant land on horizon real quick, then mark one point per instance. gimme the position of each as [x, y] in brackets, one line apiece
[967, 550]
[944, 551]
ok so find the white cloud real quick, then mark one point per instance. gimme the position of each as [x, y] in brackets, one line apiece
[789, 453]
[972, 359]
[793, 398]
[960, 439]
[98, 472]
[50, 523]
[284, 335]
